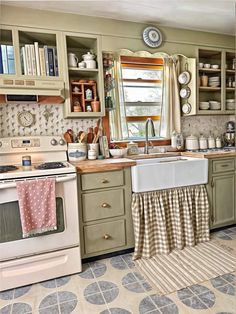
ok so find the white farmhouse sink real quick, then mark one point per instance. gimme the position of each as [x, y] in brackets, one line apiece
[168, 172]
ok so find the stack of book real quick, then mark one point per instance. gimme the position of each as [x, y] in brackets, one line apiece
[7, 61]
[39, 61]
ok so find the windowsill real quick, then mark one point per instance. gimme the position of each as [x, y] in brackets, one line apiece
[141, 143]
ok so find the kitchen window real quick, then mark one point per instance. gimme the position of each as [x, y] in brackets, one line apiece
[138, 96]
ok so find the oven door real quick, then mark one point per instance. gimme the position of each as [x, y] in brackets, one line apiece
[12, 245]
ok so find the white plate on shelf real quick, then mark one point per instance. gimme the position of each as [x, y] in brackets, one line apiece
[185, 92]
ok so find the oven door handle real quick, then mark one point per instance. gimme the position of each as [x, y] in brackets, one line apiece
[12, 184]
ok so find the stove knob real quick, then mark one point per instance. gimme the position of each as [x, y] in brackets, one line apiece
[54, 142]
[62, 142]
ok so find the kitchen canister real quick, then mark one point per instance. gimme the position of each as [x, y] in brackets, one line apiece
[218, 142]
[191, 143]
[211, 142]
[203, 142]
[94, 147]
[77, 151]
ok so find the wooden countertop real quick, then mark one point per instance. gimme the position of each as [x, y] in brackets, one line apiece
[209, 155]
[88, 166]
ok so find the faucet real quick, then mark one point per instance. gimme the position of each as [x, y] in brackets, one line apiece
[146, 148]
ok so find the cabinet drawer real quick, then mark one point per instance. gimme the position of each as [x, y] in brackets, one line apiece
[104, 236]
[105, 204]
[102, 179]
[223, 165]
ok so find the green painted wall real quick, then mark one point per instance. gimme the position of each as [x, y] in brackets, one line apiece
[116, 34]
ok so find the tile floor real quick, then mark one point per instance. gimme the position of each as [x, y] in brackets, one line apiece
[114, 286]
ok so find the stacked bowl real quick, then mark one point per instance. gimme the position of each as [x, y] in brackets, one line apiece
[230, 104]
[204, 105]
[214, 81]
[214, 105]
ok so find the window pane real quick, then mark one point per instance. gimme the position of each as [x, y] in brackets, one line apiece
[144, 74]
[141, 93]
[142, 111]
[137, 129]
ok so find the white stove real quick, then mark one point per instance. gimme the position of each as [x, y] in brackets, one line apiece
[43, 150]
[45, 256]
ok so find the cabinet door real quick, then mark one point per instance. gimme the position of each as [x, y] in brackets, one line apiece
[223, 200]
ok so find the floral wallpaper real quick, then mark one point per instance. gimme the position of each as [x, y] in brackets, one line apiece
[48, 120]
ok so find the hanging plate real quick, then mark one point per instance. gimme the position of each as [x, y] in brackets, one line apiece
[184, 77]
[186, 108]
[185, 92]
[152, 37]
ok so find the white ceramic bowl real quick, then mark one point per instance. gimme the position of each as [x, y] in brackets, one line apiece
[118, 152]
[200, 65]
[207, 65]
[215, 66]
[230, 100]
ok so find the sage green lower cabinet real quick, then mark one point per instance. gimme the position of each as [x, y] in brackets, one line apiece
[105, 212]
[221, 192]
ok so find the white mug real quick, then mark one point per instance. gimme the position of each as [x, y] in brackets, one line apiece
[72, 60]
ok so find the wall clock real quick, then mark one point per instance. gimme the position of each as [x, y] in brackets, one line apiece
[26, 118]
[152, 37]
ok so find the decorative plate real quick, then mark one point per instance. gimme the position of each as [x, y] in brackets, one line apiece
[184, 77]
[152, 37]
[186, 108]
[185, 92]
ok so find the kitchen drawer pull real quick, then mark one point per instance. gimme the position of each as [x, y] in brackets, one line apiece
[105, 205]
[105, 181]
[106, 236]
[223, 166]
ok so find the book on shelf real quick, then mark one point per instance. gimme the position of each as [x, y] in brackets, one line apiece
[36, 48]
[42, 61]
[46, 59]
[23, 61]
[33, 60]
[4, 59]
[55, 62]
[10, 59]
[28, 59]
[51, 62]
[1, 65]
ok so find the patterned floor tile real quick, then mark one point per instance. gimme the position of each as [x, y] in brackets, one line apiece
[225, 283]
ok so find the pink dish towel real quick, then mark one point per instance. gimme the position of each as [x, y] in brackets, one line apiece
[37, 202]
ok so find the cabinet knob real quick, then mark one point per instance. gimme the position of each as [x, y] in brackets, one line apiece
[105, 181]
[106, 236]
[105, 205]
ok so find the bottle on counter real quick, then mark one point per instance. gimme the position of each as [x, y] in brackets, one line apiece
[174, 140]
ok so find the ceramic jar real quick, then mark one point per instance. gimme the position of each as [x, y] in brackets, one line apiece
[77, 151]
[191, 143]
[218, 142]
[89, 60]
[203, 143]
[211, 142]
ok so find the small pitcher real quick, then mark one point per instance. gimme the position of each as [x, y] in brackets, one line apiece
[72, 60]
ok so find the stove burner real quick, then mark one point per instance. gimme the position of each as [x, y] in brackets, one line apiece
[50, 165]
[7, 168]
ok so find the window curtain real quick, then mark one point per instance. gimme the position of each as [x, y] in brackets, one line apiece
[118, 125]
[169, 219]
[171, 114]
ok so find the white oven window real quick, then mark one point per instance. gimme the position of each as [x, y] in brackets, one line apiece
[10, 224]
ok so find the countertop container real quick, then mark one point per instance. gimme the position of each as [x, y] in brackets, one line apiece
[191, 143]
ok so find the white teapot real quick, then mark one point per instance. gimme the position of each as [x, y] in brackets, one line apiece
[72, 60]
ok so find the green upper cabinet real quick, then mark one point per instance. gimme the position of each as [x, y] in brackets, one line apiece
[215, 82]
[84, 84]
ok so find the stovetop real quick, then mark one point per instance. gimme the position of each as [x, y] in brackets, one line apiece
[18, 171]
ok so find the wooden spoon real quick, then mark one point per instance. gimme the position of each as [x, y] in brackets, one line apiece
[90, 135]
[82, 137]
[67, 137]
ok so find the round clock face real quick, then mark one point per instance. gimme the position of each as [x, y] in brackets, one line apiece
[26, 118]
[152, 37]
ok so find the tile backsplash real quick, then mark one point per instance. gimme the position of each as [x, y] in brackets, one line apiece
[197, 125]
[50, 121]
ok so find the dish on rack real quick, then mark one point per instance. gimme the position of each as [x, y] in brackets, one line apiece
[184, 77]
